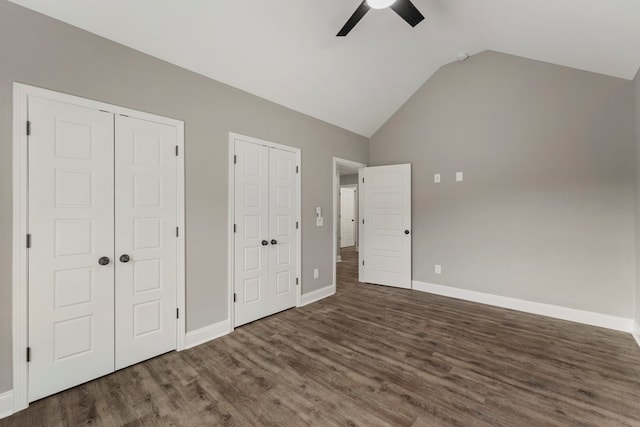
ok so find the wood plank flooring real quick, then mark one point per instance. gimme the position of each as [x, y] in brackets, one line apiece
[372, 356]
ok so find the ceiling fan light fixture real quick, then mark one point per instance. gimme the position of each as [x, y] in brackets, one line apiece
[380, 4]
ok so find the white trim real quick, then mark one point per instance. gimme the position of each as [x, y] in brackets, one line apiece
[231, 201]
[181, 284]
[636, 332]
[20, 325]
[317, 295]
[6, 404]
[20, 318]
[208, 333]
[565, 313]
[339, 259]
[336, 193]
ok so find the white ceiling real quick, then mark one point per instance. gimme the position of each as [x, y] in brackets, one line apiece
[286, 50]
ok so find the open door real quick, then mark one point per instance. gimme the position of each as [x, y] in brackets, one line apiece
[385, 225]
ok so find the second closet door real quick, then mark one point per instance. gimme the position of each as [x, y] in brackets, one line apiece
[145, 240]
[265, 237]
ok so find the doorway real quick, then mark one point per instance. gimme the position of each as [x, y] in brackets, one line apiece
[345, 218]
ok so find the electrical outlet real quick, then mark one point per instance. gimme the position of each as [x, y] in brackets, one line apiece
[436, 178]
[316, 273]
[319, 221]
[438, 269]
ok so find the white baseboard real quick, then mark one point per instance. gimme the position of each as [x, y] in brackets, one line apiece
[6, 403]
[339, 258]
[565, 313]
[636, 332]
[317, 295]
[207, 333]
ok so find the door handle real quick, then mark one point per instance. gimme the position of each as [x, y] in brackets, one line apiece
[265, 243]
[406, 231]
[104, 260]
[125, 258]
[274, 242]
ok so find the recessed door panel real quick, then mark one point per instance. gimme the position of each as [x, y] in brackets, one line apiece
[146, 240]
[71, 323]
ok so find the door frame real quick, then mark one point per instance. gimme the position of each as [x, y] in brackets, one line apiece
[336, 194]
[20, 283]
[231, 220]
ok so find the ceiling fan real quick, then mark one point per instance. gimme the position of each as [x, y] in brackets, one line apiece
[404, 8]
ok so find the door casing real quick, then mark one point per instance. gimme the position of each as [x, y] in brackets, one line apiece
[20, 325]
[231, 241]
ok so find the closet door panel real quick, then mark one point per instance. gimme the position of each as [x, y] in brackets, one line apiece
[251, 180]
[283, 204]
[145, 241]
[71, 324]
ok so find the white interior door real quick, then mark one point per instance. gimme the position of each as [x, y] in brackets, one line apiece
[347, 217]
[251, 273]
[385, 234]
[71, 295]
[146, 240]
[265, 240]
[283, 202]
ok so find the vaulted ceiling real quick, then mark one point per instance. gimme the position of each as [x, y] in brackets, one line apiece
[286, 50]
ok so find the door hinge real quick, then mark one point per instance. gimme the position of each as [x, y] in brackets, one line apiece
[297, 225]
[28, 241]
[297, 169]
[363, 221]
[235, 159]
[28, 354]
[28, 127]
[177, 231]
[363, 180]
[362, 262]
[234, 297]
[235, 228]
[177, 313]
[177, 150]
[297, 281]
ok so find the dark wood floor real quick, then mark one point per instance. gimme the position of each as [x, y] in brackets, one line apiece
[373, 356]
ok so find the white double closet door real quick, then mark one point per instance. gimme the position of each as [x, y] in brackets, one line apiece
[265, 207]
[102, 262]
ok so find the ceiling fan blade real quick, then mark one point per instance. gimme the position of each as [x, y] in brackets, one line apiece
[408, 12]
[355, 18]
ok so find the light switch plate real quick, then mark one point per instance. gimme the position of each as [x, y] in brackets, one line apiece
[316, 273]
[438, 269]
[319, 221]
[459, 176]
[436, 178]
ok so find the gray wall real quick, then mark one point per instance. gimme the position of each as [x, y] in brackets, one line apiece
[349, 179]
[40, 51]
[546, 210]
[636, 93]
